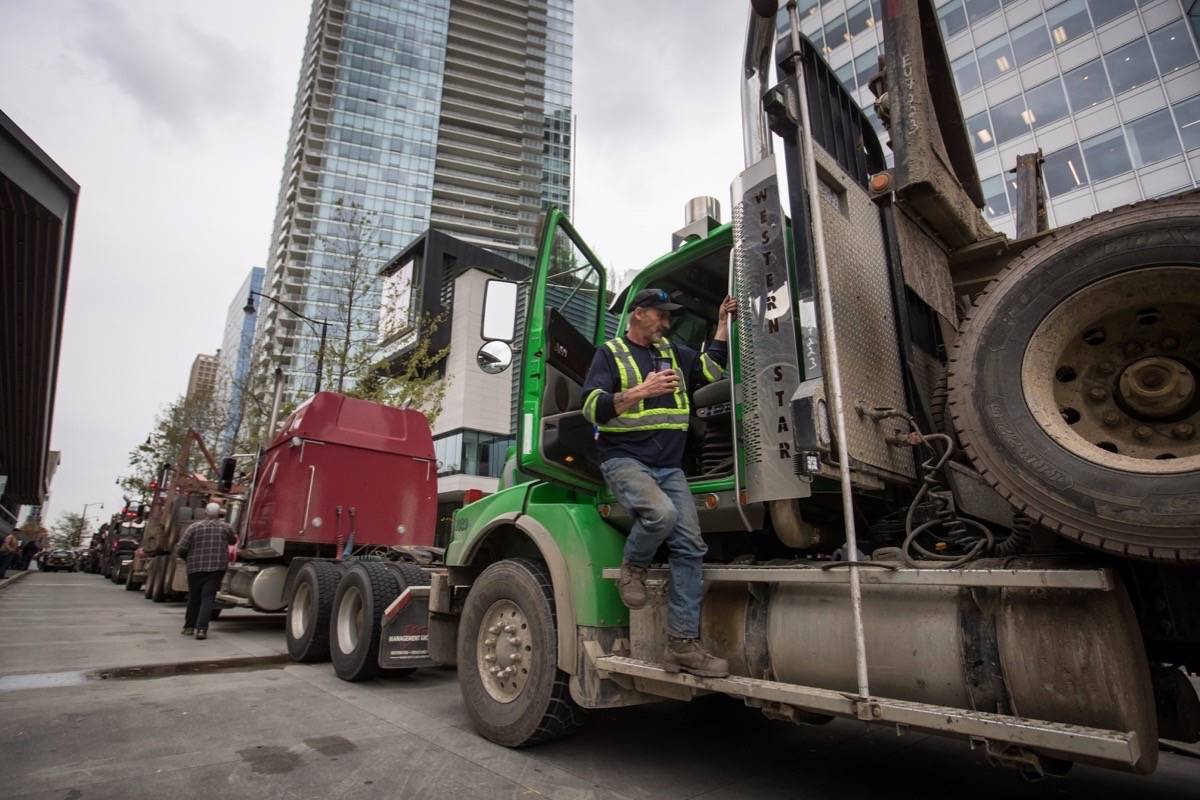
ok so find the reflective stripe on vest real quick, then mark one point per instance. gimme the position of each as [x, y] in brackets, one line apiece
[641, 418]
[713, 371]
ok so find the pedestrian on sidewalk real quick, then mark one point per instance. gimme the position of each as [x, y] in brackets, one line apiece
[205, 547]
[10, 552]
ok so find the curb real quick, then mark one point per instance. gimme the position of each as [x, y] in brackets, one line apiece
[4, 584]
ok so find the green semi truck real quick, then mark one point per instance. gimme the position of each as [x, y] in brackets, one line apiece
[950, 483]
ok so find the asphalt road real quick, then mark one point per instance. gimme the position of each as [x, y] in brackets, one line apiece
[74, 725]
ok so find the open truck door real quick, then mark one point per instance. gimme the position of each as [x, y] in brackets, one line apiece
[564, 326]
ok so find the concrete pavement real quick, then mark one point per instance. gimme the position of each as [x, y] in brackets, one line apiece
[265, 729]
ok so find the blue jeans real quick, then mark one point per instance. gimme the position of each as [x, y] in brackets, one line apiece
[663, 511]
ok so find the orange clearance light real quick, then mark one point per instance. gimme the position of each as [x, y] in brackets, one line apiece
[881, 181]
[605, 509]
[711, 501]
[744, 498]
[569, 459]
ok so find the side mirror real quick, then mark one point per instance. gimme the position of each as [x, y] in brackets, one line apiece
[499, 312]
[494, 357]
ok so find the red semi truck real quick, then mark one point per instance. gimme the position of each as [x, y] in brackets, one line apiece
[341, 509]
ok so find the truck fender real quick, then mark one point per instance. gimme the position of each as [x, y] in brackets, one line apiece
[559, 577]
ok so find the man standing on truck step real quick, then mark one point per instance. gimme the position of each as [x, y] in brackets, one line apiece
[637, 395]
[205, 547]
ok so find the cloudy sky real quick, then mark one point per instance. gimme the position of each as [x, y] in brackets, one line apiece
[173, 117]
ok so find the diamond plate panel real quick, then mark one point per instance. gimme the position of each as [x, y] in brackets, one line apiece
[863, 319]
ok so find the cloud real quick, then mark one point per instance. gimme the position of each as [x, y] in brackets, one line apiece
[176, 72]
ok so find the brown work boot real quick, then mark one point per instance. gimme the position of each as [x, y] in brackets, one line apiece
[688, 655]
[632, 586]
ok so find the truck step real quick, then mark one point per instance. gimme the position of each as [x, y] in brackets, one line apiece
[1060, 740]
[882, 572]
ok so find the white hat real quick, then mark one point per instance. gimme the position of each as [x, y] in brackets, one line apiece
[213, 509]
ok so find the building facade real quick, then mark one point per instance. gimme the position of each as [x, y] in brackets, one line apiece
[237, 345]
[443, 278]
[1108, 90]
[410, 113]
[202, 377]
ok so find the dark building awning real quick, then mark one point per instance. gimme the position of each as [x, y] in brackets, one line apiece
[37, 222]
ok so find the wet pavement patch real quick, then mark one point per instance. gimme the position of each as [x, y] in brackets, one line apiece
[190, 668]
[270, 759]
[331, 745]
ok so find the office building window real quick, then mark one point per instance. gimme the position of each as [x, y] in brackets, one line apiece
[1172, 47]
[966, 73]
[1087, 85]
[845, 74]
[866, 65]
[1063, 171]
[1152, 138]
[1106, 155]
[1030, 40]
[952, 18]
[995, 200]
[995, 58]
[1067, 22]
[1187, 114]
[1046, 103]
[1107, 10]
[1010, 119]
[1130, 66]
[978, 9]
[860, 18]
[836, 32]
[980, 129]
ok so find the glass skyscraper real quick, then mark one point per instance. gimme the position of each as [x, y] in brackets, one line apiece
[453, 114]
[1109, 90]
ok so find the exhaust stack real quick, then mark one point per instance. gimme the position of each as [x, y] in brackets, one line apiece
[700, 216]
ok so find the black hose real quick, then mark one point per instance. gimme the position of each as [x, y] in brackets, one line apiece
[1020, 538]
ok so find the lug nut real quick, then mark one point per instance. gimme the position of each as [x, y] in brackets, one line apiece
[489, 642]
[510, 628]
[1143, 432]
[495, 629]
[489, 658]
[1132, 349]
[1097, 394]
[493, 670]
[514, 658]
[514, 641]
[1106, 368]
[1169, 343]
[1112, 419]
[1183, 430]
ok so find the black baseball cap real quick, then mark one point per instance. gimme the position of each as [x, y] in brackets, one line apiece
[654, 298]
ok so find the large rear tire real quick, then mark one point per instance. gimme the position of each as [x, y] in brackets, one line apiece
[508, 669]
[158, 589]
[309, 610]
[1057, 381]
[354, 626]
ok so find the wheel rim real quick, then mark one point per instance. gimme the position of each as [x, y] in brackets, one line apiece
[349, 620]
[504, 651]
[1111, 373]
[298, 613]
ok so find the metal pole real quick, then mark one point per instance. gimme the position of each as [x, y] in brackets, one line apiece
[756, 136]
[834, 374]
[321, 360]
[275, 405]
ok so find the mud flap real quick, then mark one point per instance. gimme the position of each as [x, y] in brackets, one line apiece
[405, 640]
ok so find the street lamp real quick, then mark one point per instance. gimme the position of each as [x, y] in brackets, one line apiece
[249, 309]
[83, 518]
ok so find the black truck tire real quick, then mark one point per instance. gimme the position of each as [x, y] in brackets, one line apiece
[1111, 275]
[130, 584]
[309, 609]
[148, 583]
[514, 598]
[354, 624]
[158, 591]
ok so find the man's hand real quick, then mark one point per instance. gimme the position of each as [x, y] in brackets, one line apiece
[729, 307]
[656, 384]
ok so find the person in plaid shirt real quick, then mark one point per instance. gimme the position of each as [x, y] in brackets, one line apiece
[205, 547]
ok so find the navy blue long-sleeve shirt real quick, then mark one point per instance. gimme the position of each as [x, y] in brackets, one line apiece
[656, 448]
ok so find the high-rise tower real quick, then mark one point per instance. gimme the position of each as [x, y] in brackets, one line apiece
[452, 114]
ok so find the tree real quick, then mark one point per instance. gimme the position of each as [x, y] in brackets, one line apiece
[201, 413]
[358, 360]
[69, 529]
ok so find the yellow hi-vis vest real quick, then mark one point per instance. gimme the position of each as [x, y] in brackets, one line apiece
[641, 418]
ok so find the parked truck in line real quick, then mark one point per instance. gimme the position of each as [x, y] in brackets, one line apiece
[345, 492]
[995, 435]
